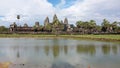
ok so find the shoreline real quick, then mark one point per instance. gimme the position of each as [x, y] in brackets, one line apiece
[89, 37]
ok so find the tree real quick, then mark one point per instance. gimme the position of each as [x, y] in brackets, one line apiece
[92, 26]
[48, 27]
[18, 16]
[114, 26]
[82, 26]
[3, 29]
[79, 24]
[98, 28]
[40, 28]
[105, 25]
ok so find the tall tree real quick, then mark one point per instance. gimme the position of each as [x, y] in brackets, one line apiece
[79, 24]
[92, 26]
[114, 26]
[18, 16]
[105, 25]
[3, 29]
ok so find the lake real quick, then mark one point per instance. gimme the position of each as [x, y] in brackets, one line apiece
[59, 53]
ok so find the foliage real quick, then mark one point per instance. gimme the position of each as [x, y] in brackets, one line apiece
[109, 27]
[48, 27]
[91, 26]
[3, 29]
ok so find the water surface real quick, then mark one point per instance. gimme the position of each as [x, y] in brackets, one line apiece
[62, 53]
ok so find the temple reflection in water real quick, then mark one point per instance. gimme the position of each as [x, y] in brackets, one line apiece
[57, 50]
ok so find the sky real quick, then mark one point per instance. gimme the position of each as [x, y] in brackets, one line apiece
[75, 10]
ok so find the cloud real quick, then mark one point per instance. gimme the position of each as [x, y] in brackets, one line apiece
[37, 10]
[92, 9]
[62, 3]
[32, 9]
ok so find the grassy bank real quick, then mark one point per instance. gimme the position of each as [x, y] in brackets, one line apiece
[97, 37]
[94, 37]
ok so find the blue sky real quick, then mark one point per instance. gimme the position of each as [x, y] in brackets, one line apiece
[54, 2]
[67, 2]
[37, 10]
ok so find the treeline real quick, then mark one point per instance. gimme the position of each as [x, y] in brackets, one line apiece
[3, 29]
[92, 27]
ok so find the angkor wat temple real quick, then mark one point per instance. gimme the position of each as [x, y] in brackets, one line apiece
[53, 26]
[63, 27]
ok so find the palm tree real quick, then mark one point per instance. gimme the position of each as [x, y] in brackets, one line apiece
[105, 25]
[79, 24]
[18, 16]
[114, 26]
[92, 25]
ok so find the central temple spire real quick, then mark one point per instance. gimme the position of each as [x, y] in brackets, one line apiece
[55, 17]
[46, 22]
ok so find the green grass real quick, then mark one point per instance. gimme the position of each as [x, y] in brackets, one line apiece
[101, 36]
[98, 37]
[24, 35]
[94, 37]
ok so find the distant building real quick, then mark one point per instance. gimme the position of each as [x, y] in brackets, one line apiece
[66, 21]
[55, 25]
[66, 24]
[13, 27]
[70, 27]
[55, 17]
[46, 21]
[37, 24]
[25, 25]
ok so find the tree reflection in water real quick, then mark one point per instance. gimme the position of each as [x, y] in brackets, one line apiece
[106, 49]
[46, 49]
[114, 49]
[18, 54]
[86, 49]
[56, 50]
[66, 49]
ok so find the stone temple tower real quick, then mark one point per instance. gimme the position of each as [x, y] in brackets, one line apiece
[66, 21]
[55, 17]
[36, 24]
[65, 24]
[46, 21]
